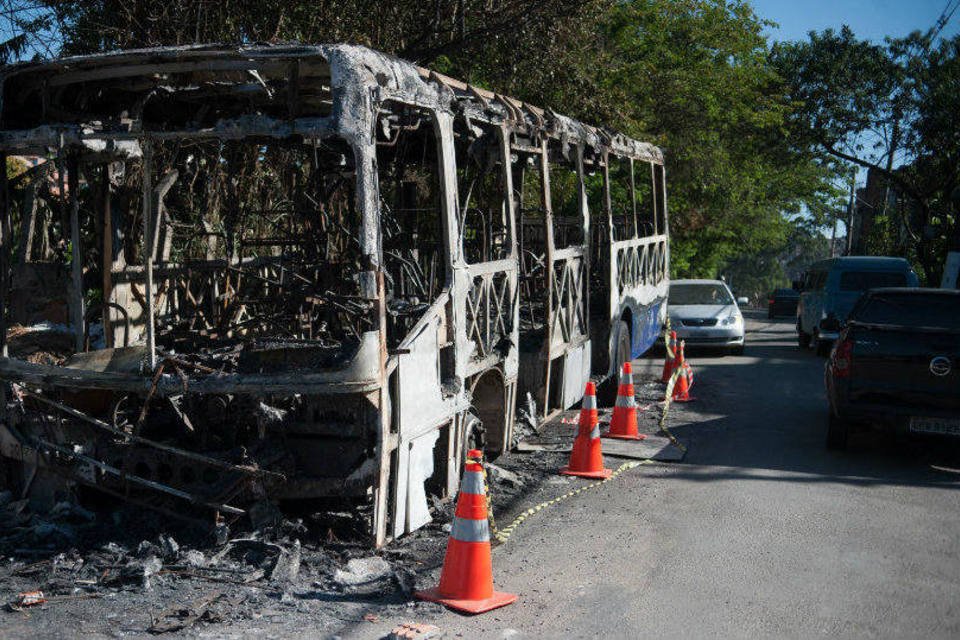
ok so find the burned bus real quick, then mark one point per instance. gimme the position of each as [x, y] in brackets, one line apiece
[234, 276]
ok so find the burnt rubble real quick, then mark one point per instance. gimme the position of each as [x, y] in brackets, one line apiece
[67, 554]
[130, 572]
[185, 578]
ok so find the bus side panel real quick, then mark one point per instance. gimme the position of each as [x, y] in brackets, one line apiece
[647, 325]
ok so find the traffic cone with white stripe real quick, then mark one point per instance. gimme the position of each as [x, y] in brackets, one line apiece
[681, 389]
[586, 459]
[623, 424]
[670, 360]
[466, 581]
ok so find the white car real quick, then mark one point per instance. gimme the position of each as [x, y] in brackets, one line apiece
[704, 313]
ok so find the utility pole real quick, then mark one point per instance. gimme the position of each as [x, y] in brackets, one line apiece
[850, 211]
[833, 236]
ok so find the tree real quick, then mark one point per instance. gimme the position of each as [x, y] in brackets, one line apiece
[696, 76]
[890, 108]
[30, 30]
[419, 31]
[757, 273]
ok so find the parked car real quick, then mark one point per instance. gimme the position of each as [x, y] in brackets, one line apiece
[830, 288]
[782, 302]
[703, 312]
[896, 365]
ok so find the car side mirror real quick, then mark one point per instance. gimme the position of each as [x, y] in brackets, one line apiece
[743, 301]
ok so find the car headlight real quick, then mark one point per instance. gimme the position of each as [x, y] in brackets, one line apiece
[733, 318]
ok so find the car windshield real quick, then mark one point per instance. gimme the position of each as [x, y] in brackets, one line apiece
[911, 310]
[863, 280]
[707, 293]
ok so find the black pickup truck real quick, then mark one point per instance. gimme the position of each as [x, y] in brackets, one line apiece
[896, 365]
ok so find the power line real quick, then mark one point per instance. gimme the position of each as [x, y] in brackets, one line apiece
[944, 18]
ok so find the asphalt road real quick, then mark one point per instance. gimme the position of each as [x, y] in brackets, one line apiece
[760, 532]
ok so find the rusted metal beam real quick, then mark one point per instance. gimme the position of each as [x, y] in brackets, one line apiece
[544, 168]
[76, 252]
[106, 257]
[28, 216]
[5, 248]
[148, 213]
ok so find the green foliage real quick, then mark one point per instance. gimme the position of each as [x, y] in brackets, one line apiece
[694, 75]
[890, 108]
[754, 274]
[15, 166]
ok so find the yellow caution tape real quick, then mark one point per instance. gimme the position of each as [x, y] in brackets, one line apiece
[502, 535]
[666, 408]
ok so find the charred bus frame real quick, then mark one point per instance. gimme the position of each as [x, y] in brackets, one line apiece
[320, 271]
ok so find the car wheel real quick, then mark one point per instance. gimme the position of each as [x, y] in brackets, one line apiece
[607, 393]
[737, 350]
[803, 339]
[838, 433]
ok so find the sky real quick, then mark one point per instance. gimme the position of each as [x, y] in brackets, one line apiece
[871, 19]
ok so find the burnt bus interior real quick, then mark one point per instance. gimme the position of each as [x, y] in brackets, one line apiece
[199, 258]
[255, 270]
[484, 222]
[223, 286]
[411, 215]
[553, 291]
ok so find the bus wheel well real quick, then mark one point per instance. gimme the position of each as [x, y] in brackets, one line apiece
[489, 402]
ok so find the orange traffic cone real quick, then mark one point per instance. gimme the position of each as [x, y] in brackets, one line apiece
[623, 424]
[586, 459]
[466, 581]
[670, 360]
[681, 390]
[686, 365]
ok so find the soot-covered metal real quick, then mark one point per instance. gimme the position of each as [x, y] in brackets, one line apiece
[232, 275]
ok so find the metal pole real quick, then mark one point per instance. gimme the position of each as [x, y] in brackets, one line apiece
[850, 211]
[147, 246]
[833, 237]
[5, 247]
[107, 257]
[76, 255]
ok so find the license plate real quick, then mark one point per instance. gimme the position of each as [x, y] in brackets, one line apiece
[945, 426]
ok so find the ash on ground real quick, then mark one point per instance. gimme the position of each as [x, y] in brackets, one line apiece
[125, 572]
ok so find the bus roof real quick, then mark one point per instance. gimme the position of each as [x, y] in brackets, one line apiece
[262, 74]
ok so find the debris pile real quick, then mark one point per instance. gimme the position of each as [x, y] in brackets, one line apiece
[185, 577]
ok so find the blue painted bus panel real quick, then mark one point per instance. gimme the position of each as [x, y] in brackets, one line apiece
[646, 329]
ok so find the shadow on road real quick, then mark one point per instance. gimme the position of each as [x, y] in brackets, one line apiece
[763, 416]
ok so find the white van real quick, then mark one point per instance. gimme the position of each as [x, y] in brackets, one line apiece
[830, 288]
